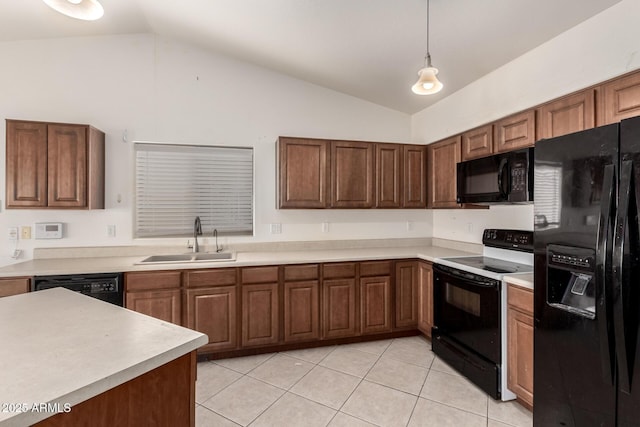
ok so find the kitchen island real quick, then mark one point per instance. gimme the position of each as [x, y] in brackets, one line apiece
[70, 359]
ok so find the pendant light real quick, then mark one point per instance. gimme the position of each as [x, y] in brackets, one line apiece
[87, 10]
[427, 83]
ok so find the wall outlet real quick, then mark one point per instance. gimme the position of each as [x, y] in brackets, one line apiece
[325, 227]
[409, 225]
[111, 231]
[13, 233]
[25, 232]
[276, 228]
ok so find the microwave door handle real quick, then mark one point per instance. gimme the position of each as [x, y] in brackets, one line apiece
[603, 274]
[501, 181]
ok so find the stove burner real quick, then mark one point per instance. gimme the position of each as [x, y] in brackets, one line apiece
[494, 265]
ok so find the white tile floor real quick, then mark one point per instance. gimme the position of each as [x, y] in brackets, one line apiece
[395, 382]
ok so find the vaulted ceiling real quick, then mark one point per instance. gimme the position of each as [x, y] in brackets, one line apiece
[370, 49]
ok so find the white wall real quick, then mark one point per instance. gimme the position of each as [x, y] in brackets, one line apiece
[161, 90]
[603, 47]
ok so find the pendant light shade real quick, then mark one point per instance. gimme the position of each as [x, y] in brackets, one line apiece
[428, 82]
[87, 10]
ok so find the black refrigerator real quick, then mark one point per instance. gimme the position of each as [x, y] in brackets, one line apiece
[587, 278]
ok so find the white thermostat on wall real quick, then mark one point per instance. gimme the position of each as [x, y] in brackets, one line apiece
[48, 230]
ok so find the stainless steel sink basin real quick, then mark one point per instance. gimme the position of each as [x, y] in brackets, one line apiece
[192, 257]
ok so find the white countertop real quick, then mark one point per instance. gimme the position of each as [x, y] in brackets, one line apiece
[524, 280]
[58, 346]
[39, 267]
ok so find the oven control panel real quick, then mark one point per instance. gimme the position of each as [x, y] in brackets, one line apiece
[519, 240]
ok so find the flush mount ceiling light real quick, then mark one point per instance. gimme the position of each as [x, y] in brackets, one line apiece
[87, 10]
[427, 83]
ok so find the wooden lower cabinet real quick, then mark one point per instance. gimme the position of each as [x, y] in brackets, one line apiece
[214, 311]
[14, 286]
[260, 314]
[375, 304]
[155, 293]
[301, 311]
[339, 308]
[520, 343]
[162, 304]
[406, 294]
[164, 396]
[425, 297]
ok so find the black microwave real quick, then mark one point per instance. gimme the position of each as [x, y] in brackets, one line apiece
[500, 178]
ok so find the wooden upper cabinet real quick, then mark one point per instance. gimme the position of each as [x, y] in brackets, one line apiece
[569, 114]
[514, 132]
[352, 174]
[303, 173]
[54, 165]
[619, 99]
[443, 156]
[389, 187]
[415, 176]
[26, 164]
[477, 142]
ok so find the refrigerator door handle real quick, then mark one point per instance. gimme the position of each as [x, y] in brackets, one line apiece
[618, 297]
[605, 331]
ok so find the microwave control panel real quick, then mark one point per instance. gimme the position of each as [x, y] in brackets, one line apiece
[519, 177]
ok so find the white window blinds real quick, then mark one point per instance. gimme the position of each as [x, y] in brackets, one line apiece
[548, 195]
[177, 183]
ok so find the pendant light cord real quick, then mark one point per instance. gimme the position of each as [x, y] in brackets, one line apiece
[428, 57]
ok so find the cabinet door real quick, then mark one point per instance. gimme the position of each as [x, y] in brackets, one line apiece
[351, 174]
[164, 305]
[520, 354]
[375, 304]
[443, 157]
[260, 314]
[302, 173]
[26, 153]
[14, 286]
[339, 308]
[570, 114]
[620, 99]
[406, 294]
[415, 176]
[388, 175]
[477, 143]
[517, 131]
[67, 165]
[214, 311]
[425, 297]
[301, 309]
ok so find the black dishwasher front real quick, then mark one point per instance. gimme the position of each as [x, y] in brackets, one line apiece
[104, 286]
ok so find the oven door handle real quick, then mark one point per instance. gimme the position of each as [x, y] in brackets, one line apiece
[474, 283]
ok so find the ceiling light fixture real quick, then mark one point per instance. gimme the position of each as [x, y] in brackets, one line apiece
[427, 83]
[87, 10]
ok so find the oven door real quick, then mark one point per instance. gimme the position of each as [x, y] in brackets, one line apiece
[467, 309]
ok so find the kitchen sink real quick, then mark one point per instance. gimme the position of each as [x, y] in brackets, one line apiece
[191, 257]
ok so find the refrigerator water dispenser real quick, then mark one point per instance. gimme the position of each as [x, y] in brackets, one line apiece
[570, 280]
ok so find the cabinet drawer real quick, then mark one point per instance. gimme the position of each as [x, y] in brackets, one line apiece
[211, 277]
[300, 272]
[260, 274]
[520, 299]
[152, 280]
[14, 286]
[342, 269]
[375, 268]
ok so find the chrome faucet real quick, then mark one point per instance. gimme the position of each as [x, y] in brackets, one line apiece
[215, 234]
[197, 231]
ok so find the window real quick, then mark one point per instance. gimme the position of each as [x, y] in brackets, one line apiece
[548, 193]
[177, 183]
